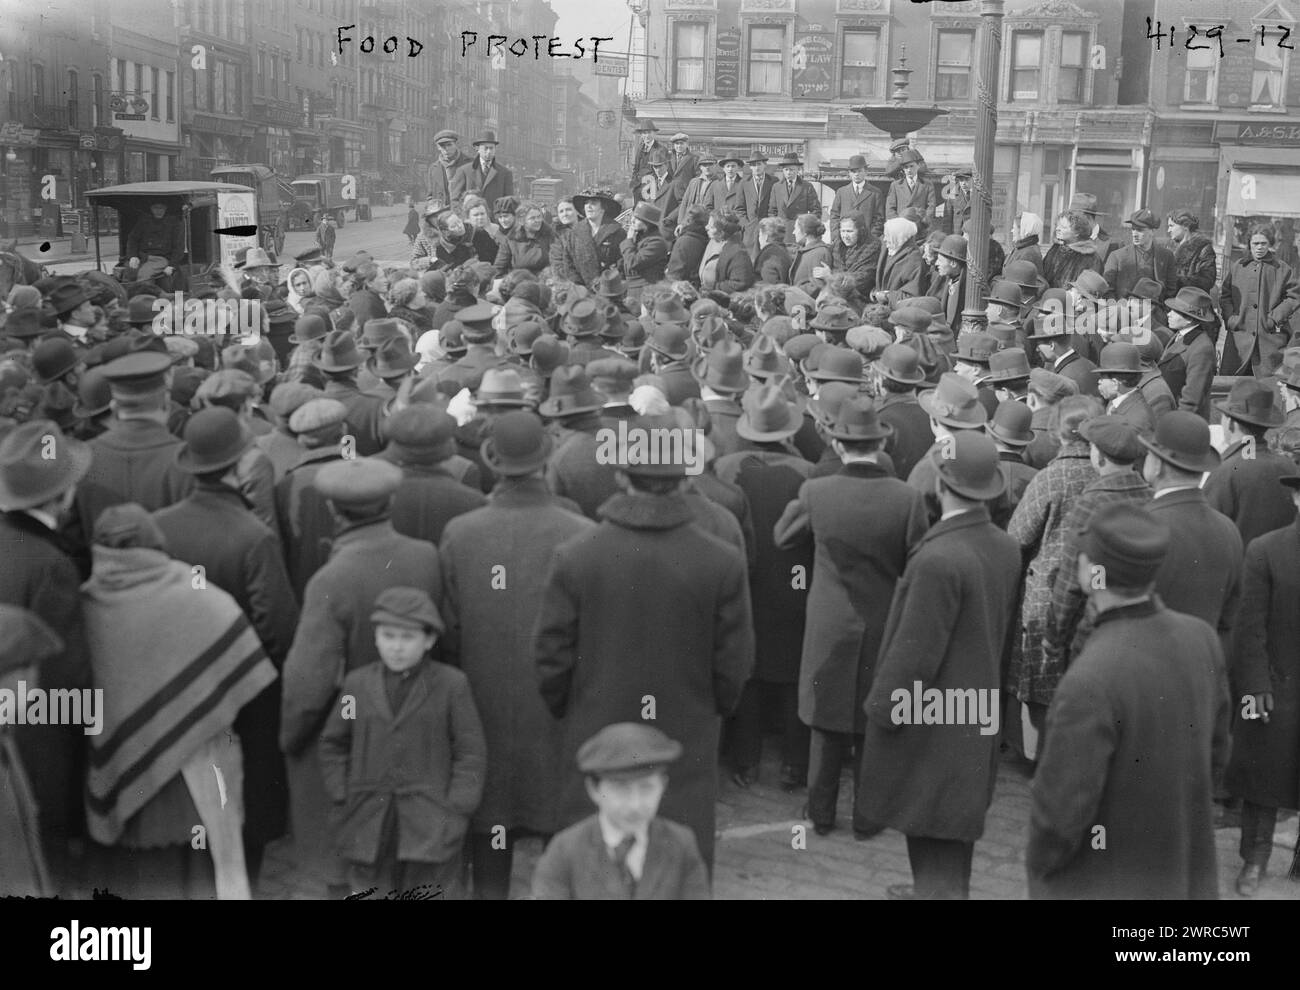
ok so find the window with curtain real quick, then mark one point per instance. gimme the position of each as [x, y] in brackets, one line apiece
[1026, 65]
[1072, 82]
[688, 57]
[952, 73]
[1268, 80]
[1201, 80]
[859, 58]
[767, 48]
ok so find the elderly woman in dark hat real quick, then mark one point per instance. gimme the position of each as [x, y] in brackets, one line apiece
[601, 211]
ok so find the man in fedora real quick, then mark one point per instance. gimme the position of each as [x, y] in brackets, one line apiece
[646, 130]
[1003, 307]
[1264, 769]
[1188, 363]
[1117, 454]
[682, 638]
[862, 522]
[1117, 381]
[727, 194]
[335, 633]
[76, 313]
[947, 629]
[576, 469]
[488, 637]
[857, 196]
[583, 323]
[769, 472]
[442, 172]
[134, 459]
[338, 362]
[1143, 258]
[393, 363]
[421, 440]
[900, 375]
[1052, 337]
[757, 189]
[1155, 390]
[1244, 487]
[1012, 431]
[792, 196]
[308, 336]
[1136, 734]
[214, 528]
[483, 176]
[39, 472]
[1086, 203]
[1009, 375]
[722, 379]
[953, 407]
[911, 189]
[669, 346]
[949, 282]
[1201, 574]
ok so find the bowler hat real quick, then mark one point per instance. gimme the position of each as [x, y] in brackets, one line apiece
[523, 336]
[1007, 293]
[857, 161]
[215, 439]
[487, 137]
[1114, 436]
[94, 397]
[954, 247]
[571, 394]
[339, 352]
[1007, 366]
[768, 415]
[501, 387]
[1193, 303]
[730, 158]
[38, 464]
[358, 480]
[53, 358]
[1026, 275]
[1143, 219]
[644, 125]
[393, 358]
[954, 403]
[1128, 542]
[610, 285]
[1090, 284]
[901, 363]
[1183, 440]
[634, 338]
[831, 396]
[585, 318]
[307, 327]
[1012, 423]
[857, 420]
[410, 608]
[789, 159]
[1252, 402]
[648, 213]
[968, 465]
[1049, 326]
[518, 445]
[627, 750]
[65, 298]
[452, 338]
[1119, 358]
[838, 364]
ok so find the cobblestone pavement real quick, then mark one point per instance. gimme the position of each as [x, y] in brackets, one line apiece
[757, 858]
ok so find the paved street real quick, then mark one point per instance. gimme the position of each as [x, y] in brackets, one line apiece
[756, 858]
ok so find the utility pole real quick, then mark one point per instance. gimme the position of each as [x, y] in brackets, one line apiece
[973, 319]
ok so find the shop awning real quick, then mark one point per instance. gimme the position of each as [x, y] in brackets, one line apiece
[1263, 190]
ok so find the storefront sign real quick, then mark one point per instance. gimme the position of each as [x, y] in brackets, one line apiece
[726, 75]
[14, 133]
[1251, 133]
[813, 65]
[216, 125]
[236, 209]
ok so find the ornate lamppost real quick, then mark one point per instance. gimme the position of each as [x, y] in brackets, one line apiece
[898, 117]
[973, 318]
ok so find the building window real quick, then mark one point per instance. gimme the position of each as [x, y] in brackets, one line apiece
[97, 107]
[859, 58]
[72, 98]
[261, 71]
[1202, 79]
[139, 79]
[766, 60]
[1026, 65]
[154, 98]
[688, 57]
[199, 83]
[171, 97]
[219, 87]
[299, 44]
[121, 78]
[1268, 80]
[953, 71]
[1072, 85]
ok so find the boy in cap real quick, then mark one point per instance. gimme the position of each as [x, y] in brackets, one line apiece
[405, 767]
[624, 851]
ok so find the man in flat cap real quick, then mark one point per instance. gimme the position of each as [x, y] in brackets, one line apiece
[679, 643]
[214, 528]
[135, 458]
[948, 629]
[1143, 258]
[1136, 734]
[442, 171]
[624, 851]
[489, 636]
[682, 163]
[306, 523]
[645, 130]
[335, 633]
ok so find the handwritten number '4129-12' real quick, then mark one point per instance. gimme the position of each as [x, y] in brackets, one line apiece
[1156, 33]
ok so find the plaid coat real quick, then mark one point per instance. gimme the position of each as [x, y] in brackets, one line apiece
[1067, 625]
[1037, 525]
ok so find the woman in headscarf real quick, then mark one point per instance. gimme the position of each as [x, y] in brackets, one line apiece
[406, 302]
[175, 666]
[528, 245]
[1073, 253]
[856, 254]
[901, 268]
[1025, 233]
[300, 291]
[810, 252]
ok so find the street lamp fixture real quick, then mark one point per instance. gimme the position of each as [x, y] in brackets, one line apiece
[898, 117]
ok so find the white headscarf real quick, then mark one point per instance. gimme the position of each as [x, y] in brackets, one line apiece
[898, 232]
[1031, 225]
[293, 299]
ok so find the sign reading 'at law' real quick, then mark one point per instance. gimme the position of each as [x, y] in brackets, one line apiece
[813, 65]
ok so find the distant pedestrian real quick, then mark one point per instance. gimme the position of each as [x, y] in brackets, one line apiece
[412, 227]
[326, 234]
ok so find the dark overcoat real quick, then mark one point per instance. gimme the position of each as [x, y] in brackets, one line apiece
[789, 204]
[1134, 733]
[772, 265]
[306, 522]
[1258, 300]
[1135, 411]
[688, 251]
[469, 178]
[949, 625]
[863, 523]
[912, 434]
[576, 472]
[770, 480]
[735, 272]
[901, 274]
[647, 609]
[758, 201]
[1246, 490]
[365, 415]
[134, 460]
[428, 498]
[1188, 365]
[868, 203]
[576, 866]
[1124, 268]
[490, 617]
[1265, 764]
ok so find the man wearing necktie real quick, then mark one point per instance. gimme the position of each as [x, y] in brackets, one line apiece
[624, 851]
[682, 163]
[857, 197]
[757, 192]
[728, 195]
[793, 197]
[911, 189]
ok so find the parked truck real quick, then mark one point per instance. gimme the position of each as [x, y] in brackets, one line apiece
[274, 200]
[321, 194]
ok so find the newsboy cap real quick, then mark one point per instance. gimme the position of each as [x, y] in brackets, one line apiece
[1128, 542]
[358, 480]
[627, 749]
[410, 608]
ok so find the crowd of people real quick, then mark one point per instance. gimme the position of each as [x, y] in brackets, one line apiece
[364, 552]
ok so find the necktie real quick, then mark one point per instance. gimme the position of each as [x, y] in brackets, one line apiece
[620, 860]
[789, 189]
[857, 189]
